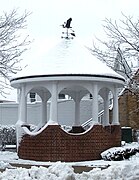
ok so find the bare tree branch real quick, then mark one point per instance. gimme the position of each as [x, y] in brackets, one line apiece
[122, 43]
[12, 44]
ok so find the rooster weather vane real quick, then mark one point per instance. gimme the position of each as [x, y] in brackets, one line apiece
[69, 33]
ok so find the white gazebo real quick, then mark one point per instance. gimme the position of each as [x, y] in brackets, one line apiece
[69, 68]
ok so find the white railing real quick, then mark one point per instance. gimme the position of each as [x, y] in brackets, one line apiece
[89, 122]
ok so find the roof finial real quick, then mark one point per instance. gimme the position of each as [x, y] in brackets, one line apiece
[68, 33]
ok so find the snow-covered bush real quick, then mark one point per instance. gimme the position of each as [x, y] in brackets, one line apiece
[120, 153]
[135, 134]
[7, 135]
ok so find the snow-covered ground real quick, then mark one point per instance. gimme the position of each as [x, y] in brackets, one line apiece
[119, 170]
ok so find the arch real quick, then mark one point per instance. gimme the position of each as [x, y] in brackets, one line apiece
[39, 117]
[76, 92]
[65, 85]
[43, 92]
[72, 89]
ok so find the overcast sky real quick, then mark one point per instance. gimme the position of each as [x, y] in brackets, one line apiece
[47, 16]
[87, 15]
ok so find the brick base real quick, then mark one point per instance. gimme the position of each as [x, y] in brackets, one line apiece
[54, 144]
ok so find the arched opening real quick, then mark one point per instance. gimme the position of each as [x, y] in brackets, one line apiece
[38, 106]
[75, 108]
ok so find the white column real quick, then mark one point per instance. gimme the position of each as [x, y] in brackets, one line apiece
[53, 107]
[115, 108]
[23, 106]
[19, 104]
[44, 112]
[18, 95]
[77, 110]
[106, 110]
[95, 104]
[22, 116]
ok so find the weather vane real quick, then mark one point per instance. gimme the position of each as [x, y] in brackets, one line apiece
[69, 33]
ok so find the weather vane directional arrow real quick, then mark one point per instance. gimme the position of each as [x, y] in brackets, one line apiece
[69, 33]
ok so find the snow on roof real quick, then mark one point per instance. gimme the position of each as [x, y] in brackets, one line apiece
[68, 58]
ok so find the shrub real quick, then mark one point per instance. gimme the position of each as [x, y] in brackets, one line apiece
[120, 153]
[7, 135]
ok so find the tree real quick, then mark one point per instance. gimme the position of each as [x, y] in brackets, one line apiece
[12, 45]
[122, 44]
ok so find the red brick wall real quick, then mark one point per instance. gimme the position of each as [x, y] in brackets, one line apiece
[129, 109]
[53, 144]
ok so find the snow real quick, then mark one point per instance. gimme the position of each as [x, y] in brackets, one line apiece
[120, 153]
[39, 129]
[68, 57]
[113, 170]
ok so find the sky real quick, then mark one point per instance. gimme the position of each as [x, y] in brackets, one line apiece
[43, 25]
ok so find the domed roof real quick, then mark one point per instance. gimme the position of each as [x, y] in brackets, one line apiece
[68, 58]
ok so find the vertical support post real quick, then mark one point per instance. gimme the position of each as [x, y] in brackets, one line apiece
[19, 104]
[77, 110]
[44, 112]
[95, 104]
[22, 115]
[54, 107]
[106, 110]
[23, 106]
[115, 108]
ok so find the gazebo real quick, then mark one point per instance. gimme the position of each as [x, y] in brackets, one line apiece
[69, 68]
